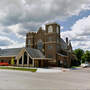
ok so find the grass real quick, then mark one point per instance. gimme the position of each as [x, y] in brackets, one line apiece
[20, 69]
[75, 66]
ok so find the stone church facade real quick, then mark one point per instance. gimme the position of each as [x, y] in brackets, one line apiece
[43, 48]
[50, 43]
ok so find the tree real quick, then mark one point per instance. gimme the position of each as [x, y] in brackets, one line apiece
[83, 58]
[86, 56]
[79, 53]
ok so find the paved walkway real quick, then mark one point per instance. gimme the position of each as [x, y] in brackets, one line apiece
[52, 70]
[43, 70]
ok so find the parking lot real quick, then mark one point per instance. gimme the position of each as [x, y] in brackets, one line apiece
[68, 80]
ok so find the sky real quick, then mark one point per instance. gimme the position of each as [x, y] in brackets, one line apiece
[17, 17]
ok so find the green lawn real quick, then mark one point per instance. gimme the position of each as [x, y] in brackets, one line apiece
[75, 66]
[21, 69]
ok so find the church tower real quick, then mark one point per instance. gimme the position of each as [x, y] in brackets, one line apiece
[30, 39]
[52, 41]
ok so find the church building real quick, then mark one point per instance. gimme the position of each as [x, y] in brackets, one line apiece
[43, 48]
[50, 43]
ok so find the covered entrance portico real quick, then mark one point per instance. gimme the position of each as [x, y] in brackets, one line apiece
[29, 62]
[25, 60]
[28, 59]
[24, 57]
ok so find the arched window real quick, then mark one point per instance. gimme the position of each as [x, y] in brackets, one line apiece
[50, 29]
[25, 58]
[29, 42]
[20, 60]
[39, 44]
[30, 61]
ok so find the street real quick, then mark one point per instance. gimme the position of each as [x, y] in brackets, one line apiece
[21, 80]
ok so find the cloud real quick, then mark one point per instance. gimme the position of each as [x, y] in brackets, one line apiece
[6, 42]
[21, 11]
[80, 33]
[18, 17]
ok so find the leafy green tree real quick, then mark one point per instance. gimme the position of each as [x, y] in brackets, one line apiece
[83, 58]
[87, 56]
[79, 53]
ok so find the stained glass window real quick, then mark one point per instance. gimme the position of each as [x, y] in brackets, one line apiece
[49, 47]
[40, 45]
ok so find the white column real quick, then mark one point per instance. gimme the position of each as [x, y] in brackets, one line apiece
[27, 60]
[33, 62]
[23, 60]
[17, 62]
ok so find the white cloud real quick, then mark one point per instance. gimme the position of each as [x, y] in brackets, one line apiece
[62, 27]
[20, 16]
[19, 11]
[6, 42]
[80, 33]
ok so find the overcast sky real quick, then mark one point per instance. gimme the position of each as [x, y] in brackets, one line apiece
[17, 17]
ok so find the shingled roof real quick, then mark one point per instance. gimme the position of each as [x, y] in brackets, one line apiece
[9, 52]
[35, 53]
[63, 44]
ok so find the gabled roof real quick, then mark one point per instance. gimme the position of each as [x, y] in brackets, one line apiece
[35, 53]
[9, 52]
[13, 52]
[61, 55]
[63, 44]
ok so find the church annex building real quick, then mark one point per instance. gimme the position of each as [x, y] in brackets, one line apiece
[44, 48]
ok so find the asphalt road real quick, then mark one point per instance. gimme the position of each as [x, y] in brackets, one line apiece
[69, 80]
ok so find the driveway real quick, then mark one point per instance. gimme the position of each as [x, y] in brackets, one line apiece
[69, 80]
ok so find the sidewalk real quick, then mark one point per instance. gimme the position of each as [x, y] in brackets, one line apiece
[52, 70]
[43, 70]
[47, 70]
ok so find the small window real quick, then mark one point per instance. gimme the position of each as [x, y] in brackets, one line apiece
[61, 62]
[49, 47]
[50, 29]
[50, 56]
[49, 38]
[29, 42]
[40, 45]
